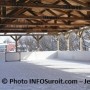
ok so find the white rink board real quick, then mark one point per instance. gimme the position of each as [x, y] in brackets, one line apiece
[12, 56]
[41, 55]
[2, 56]
[38, 55]
[74, 55]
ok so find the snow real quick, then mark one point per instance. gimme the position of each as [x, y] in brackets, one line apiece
[44, 69]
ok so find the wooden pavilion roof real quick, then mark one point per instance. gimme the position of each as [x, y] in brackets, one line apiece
[29, 16]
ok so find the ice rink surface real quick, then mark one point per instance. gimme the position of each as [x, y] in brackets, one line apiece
[45, 69]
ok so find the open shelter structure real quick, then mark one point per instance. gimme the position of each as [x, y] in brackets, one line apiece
[44, 17]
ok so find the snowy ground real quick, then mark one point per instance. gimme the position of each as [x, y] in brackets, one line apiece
[45, 69]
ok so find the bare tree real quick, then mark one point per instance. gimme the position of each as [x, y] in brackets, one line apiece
[86, 40]
[74, 42]
[63, 43]
[48, 43]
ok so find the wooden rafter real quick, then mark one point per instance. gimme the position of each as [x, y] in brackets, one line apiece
[47, 18]
[43, 15]
[81, 13]
[43, 24]
[80, 2]
[30, 5]
[66, 2]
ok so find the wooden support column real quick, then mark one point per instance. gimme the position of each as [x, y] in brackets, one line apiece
[80, 41]
[67, 39]
[58, 42]
[68, 43]
[16, 38]
[81, 47]
[37, 38]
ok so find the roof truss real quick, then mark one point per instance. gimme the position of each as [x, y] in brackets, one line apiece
[43, 16]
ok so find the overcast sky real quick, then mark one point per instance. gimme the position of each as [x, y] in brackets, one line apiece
[3, 38]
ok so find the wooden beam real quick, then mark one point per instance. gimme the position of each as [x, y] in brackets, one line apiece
[55, 3]
[44, 24]
[15, 11]
[31, 12]
[3, 9]
[37, 37]
[37, 28]
[82, 14]
[23, 34]
[50, 11]
[16, 38]
[66, 2]
[65, 12]
[47, 6]
[33, 31]
[47, 18]
[80, 2]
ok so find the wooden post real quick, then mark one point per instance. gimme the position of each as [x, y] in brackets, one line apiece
[37, 38]
[81, 47]
[58, 43]
[16, 38]
[67, 39]
[68, 43]
[80, 41]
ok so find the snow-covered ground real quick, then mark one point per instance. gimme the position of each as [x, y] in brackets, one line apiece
[45, 69]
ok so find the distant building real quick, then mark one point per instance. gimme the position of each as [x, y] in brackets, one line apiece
[11, 47]
[7, 47]
[3, 47]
